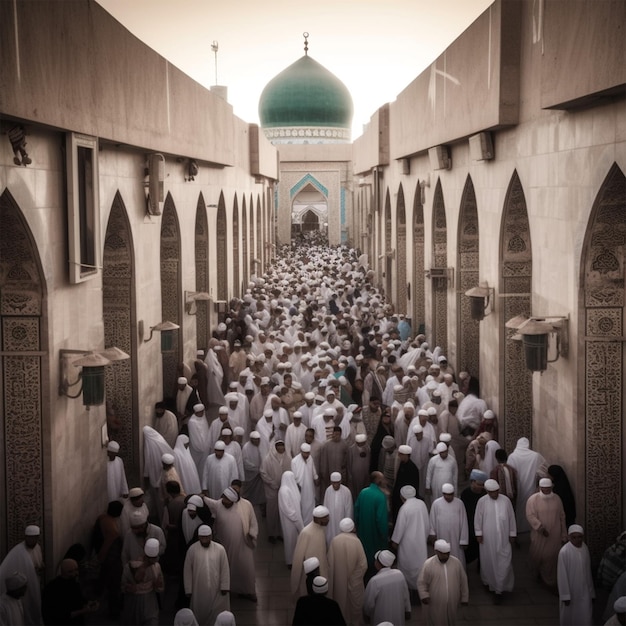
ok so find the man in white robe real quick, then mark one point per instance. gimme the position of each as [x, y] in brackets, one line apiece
[218, 425]
[448, 521]
[220, 470]
[11, 607]
[311, 543]
[236, 410]
[185, 466]
[303, 467]
[575, 581]
[234, 449]
[410, 535]
[495, 529]
[117, 486]
[182, 397]
[236, 528]
[253, 483]
[347, 565]
[442, 469]
[154, 447]
[199, 440]
[442, 585]
[386, 596]
[338, 501]
[26, 557]
[165, 423]
[135, 501]
[290, 514]
[294, 435]
[206, 577]
[530, 467]
[421, 447]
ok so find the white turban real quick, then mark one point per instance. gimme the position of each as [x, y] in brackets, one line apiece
[408, 491]
[346, 525]
[320, 511]
[492, 485]
[204, 531]
[385, 557]
[441, 545]
[335, 477]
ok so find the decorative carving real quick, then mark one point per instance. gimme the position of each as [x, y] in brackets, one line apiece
[604, 288]
[222, 252]
[401, 294]
[244, 239]
[516, 275]
[202, 278]
[236, 285]
[440, 259]
[468, 329]
[21, 294]
[170, 291]
[419, 295]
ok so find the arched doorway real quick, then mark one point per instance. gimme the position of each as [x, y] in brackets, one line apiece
[310, 221]
[259, 237]
[515, 291]
[221, 250]
[468, 344]
[418, 295]
[440, 282]
[201, 254]
[603, 377]
[170, 293]
[24, 350]
[309, 198]
[401, 294]
[119, 314]
[244, 245]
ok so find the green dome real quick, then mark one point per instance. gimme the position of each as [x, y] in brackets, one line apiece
[305, 94]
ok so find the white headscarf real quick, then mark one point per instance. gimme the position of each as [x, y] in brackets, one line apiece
[185, 466]
[154, 447]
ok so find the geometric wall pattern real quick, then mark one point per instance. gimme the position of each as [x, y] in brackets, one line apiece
[604, 290]
[244, 225]
[418, 292]
[118, 314]
[222, 251]
[21, 314]
[469, 330]
[235, 247]
[201, 254]
[515, 296]
[170, 293]
[439, 336]
[401, 294]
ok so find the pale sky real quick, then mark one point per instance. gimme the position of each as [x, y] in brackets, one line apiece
[375, 47]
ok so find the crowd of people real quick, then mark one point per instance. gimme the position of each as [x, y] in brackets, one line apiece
[377, 466]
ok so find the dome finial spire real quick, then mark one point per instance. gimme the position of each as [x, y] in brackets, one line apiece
[306, 43]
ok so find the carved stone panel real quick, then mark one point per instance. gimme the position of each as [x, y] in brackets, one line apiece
[236, 284]
[469, 329]
[222, 251]
[401, 295]
[516, 278]
[440, 260]
[604, 287]
[21, 409]
[418, 291]
[170, 291]
[202, 280]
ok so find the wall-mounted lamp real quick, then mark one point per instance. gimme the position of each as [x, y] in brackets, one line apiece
[191, 297]
[481, 299]
[535, 334]
[153, 183]
[441, 273]
[91, 375]
[167, 334]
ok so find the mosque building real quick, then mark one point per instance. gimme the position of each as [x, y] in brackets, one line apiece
[134, 205]
[307, 112]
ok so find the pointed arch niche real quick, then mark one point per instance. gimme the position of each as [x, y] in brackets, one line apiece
[236, 283]
[171, 281]
[201, 255]
[439, 335]
[23, 347]
[222, 250]
[602, 319]
[418, 295]
[309, 206]
[468, 332]
[515, 291]
[388, 261]
[119, 313]
[244, 245]
[401, 280]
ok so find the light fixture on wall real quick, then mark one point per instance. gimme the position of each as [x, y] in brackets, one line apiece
[481, 299]
[166, 329]
[192, 170]
[535, 333]
[192, 297]
[91, 375]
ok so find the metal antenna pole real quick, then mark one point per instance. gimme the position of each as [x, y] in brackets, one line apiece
[215, 47]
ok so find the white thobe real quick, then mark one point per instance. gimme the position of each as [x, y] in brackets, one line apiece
[117, 487]
[448, 520]
[411, 535]
[306, 475]
[21, 559]
[387, 597]
[290, 514]
[420, 455]
[206, 574]
[182, 396]
[234, 449]
[575, 584]
[339, 504]
[439, 472]
[199, 442]
[186, 467]
[167, 427]
[218, 474]
[294, 438]
[215, 431]
[494, 521]
[11, 611]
